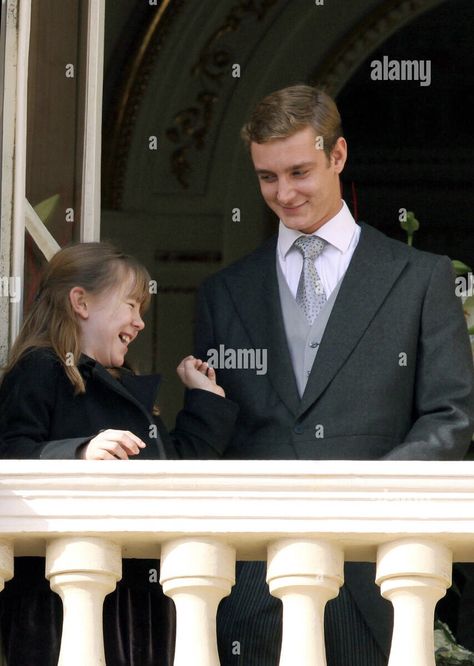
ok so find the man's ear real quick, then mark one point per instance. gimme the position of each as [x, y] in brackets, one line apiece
[77, 298]
[339, 154]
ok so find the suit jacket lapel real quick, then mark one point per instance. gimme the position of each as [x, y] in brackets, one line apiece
[368, 280]
[257, 299]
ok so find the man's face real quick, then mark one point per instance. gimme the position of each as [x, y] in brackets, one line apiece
[297, 180]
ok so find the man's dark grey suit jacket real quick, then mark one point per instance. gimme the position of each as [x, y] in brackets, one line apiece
[393, 377]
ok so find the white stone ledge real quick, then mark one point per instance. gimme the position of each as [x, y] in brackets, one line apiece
[247, 504]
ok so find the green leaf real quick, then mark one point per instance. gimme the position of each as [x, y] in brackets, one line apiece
[46, 208]
[460, 268]
[447, 651]
[468, 307]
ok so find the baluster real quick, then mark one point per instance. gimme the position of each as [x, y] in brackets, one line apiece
[413, 574]
[304, 574]
[6, 562]
[196, 573]
[82, 571]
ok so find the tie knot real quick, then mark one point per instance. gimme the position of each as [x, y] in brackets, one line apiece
[310, 246]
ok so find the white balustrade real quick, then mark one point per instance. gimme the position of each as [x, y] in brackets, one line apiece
[82, 571]
[304, 574]
[6, 562]
[6, 572]
[197, 574]
[414, 574]
[305, 517]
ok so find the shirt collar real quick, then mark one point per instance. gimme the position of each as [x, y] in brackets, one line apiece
[338, 231]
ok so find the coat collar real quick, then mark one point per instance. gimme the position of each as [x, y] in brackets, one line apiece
[140, 389]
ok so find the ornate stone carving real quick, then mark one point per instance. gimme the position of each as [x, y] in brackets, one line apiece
[192, 125]
[128, 100]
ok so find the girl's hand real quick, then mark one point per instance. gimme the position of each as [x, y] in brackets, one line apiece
[112, 445]
[196, 374]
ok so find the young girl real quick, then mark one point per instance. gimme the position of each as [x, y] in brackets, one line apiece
[67, 394]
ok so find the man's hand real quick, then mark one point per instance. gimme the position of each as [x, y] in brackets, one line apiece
[112, 445]
[196, 374]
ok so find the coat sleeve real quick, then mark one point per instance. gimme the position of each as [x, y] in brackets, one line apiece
[204, 329]
[27, 401]
[204, 426]
[443, 420]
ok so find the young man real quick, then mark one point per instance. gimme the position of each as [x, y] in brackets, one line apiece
[367, 355]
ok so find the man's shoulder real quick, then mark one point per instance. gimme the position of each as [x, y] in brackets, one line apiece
[380, 242]
[374, 243]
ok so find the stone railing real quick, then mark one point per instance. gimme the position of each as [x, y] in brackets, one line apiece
[304, 518]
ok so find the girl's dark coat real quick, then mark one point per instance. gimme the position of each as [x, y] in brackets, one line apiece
[41, 417]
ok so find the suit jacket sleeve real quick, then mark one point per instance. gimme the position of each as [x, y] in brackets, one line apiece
[443, 420]
[27, 400]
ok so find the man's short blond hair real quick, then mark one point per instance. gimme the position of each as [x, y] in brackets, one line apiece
[286, 111]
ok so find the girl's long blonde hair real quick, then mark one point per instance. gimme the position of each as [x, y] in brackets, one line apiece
[51, 322]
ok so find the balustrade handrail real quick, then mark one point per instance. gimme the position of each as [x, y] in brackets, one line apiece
[304, 517]
[371, 502]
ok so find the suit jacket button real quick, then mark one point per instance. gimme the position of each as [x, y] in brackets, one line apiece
[298, 429]
[314, 344]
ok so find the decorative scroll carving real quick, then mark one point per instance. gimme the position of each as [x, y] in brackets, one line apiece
[125, 108]
[190, 129]
[192, 125]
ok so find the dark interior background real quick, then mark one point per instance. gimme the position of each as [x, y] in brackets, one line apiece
[411, 146]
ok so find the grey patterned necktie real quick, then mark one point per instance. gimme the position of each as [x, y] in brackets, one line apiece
[310, 295]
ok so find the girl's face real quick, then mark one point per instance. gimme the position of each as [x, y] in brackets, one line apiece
[109, 322]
